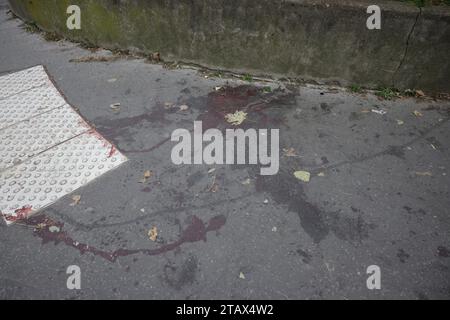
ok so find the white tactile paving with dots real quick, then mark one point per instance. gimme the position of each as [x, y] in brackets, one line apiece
[38, 134]
[24, 80]
[28, 104]
[47, 150]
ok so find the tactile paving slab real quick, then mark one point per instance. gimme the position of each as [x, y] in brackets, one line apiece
[47, 150]
[28, 104]
[24, 80]
[37, 134]
[55, 173]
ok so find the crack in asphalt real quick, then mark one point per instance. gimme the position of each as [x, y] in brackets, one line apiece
[89, 227]
[388, 151]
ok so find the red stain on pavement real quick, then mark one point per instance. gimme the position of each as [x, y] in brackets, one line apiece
[196, 231]
[112, 152]
[249, 99]
[20, 214]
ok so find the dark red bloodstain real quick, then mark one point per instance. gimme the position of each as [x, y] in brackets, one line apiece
[20, 214]
[196, 231]
[263, 111]
[249, 99]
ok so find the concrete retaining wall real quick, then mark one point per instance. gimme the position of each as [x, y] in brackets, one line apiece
[313, 40]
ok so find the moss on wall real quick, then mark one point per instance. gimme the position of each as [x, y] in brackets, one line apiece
[311, 39]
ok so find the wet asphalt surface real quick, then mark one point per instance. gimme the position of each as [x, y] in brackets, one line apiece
[378, 195]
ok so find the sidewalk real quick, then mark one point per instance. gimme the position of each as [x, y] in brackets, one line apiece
[378, 194]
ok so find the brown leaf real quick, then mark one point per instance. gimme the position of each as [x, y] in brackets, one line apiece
[214, 188]
[76, 200]
[147, 175]
[156, 56]
[289, 152]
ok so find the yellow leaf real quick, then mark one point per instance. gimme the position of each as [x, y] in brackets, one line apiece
[236, 118]
[424, 174]
[303, 175]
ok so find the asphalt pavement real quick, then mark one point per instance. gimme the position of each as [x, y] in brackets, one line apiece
[378, 192]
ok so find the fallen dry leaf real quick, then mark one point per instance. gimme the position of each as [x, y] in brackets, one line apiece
[304, 176]
[156, 56]
[420, 93]
[41, 225]
[424, 174]
[183, 107]
[289, 152]
[214, 186]
[236, 118]
[168, 105]
[76, 200]
[115, 106]
[147, 175]
[380, 112]
[417, 113]
[153, 234]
